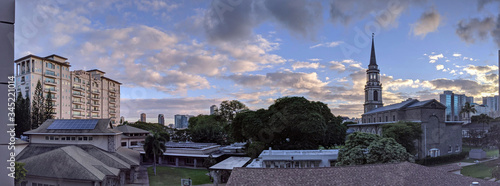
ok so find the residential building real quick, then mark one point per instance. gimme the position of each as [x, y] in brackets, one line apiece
[469, 99]
[122, 119]
[213, 108]
[438, 137]
[132, 137]
[181, 121]
[404, 173]
[75, 94]
[161, 119]
[88, 147]
[491, 103]
[143, 117]
[454, 104]
[295, 159]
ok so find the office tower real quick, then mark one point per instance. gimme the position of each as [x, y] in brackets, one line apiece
[143, 117]
[161, 119]
[212, 109]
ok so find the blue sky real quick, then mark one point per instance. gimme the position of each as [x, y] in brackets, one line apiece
[181, 57]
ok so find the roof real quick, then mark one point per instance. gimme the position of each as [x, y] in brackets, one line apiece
[101, 128]
[104, 77]
[130, 129]
[96, 70]
[58, 162]
[409, 103]
[392, 107]
[57, 56]
[231, 162]
[43, 58]
[375, 174]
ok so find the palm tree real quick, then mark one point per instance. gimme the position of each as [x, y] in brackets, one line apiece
[154, 145]
[468, 109]
[483, 118]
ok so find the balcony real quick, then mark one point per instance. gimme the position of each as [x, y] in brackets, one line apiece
[78, 115]
[112, 112]
[96, 116]
[52, 90]
[96, 104]
[50, 73]
[112, 100]
[78, 88]
[95, 97]
[112, 106]
[50, 82]
[112, 95]
[112, 89]
[78, 94]
[78, 108]
[95, 110]
[95, 92]
[78, 102]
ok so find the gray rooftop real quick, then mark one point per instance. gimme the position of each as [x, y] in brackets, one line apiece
[231, 162]
[130, 129]
[410, 103]
[375, 174]
[189, 145]
[103, 127]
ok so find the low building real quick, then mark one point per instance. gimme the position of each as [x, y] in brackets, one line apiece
[132, 137]
[78, 152]
[234, 149]
[295, 159]
[375, 174]
[188, 154]
[221, 171]
[439, 137]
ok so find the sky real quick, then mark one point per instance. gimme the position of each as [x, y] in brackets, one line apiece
[181, 57]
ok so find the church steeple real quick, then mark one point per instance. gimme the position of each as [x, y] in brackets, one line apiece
[373, 59]
[373, 87]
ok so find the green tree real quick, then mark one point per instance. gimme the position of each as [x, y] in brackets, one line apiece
[48, 107]
[494, 136]
[467, 108]
[154, 145]
[22, 116]
[364, 148]
[20, 173]
[405, 133]
[207, 129]
[37, 107]
[209, 161]
[228, 109]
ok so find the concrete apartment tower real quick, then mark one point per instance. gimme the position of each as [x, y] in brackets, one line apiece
[7, 85]
[143, 117]
[161, 119]
[75, 94]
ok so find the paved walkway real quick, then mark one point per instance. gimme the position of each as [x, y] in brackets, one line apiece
[142, 177]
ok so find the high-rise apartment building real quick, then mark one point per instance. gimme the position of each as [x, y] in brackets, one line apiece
[143, 117]
[161, 119]
[212, 109]
[76, 94]
[181, 121]
[454, 104]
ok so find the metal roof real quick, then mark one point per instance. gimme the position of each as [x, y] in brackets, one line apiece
[231, 162]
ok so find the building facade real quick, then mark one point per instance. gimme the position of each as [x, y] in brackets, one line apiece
[454, 104]
[213, 108]
[161, 119]
[181, 121]
[75, 94]
[143, 117]
[295, 159]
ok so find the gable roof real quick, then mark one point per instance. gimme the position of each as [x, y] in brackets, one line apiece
[68, 162]
[393, 106]
[101, 128]
[410, 103]
[375, 174]
[130, 129]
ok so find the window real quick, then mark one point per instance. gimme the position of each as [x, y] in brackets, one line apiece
[73, 138]
[375, 95]
[457, 148]
[46, 137]
[80, 138]
[124, 144]
[393, 117]
[450, 149]
[51, 137]
[133, 143]
[63, 138]
[90, 138]
[85, 138]
[189, 161]
[386, 118]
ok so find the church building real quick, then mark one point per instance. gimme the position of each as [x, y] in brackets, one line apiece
[439, 137]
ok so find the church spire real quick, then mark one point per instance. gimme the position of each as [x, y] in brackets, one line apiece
[373, 60]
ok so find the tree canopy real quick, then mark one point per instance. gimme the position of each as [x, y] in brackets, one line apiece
[405, 133]
[22, 114]
[154, 145]
[207, 129]
[38, 107]
[228, 109]
[364, 148]
[290, 123]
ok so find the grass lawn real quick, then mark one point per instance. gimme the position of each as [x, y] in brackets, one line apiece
[172, 176]
[480, 170]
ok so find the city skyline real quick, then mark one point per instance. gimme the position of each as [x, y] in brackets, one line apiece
[182, 57]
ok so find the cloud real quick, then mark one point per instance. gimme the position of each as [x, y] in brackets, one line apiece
[338, 66]
[298, 65]
[328, 44]
[434, 58]
[314, 59]
[456, 55]
[386, 12]
[469, 87]
[469, 30]
[428, 22]
[439, 67]
[234, 20]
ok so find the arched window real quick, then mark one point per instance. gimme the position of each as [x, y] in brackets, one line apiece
[375, 95]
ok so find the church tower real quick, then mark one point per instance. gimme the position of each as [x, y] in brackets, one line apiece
[373, 87]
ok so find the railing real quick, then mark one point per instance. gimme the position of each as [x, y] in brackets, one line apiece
[95, 97]
[95, 91]
[78, 87]
[78, 94]
[50, 82]
[112, 100]
[78, 101]
[50, 73]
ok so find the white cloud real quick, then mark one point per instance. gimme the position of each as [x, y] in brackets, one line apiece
[428, 22]
[434, 58]
[328, 44]
[439, 67]
[299, 64]
[457, 54]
